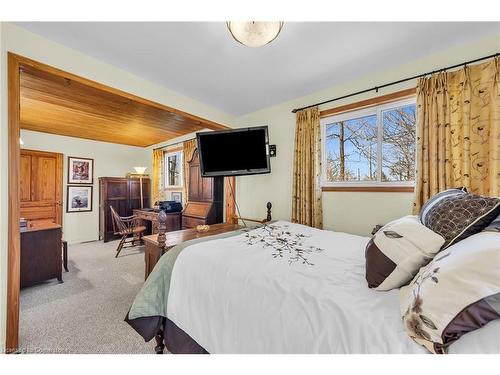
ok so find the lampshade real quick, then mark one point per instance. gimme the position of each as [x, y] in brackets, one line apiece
[254, 34]
[140, 170]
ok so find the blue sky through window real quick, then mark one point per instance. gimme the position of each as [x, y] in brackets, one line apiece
[358, 159]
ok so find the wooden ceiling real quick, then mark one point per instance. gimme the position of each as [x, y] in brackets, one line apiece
[57, 102]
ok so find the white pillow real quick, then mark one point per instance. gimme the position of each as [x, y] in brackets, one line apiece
[398, 250]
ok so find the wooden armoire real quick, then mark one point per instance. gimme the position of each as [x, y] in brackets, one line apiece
[205, 203]
[124, 194]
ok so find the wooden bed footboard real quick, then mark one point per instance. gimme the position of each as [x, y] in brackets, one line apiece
[160, 338]
[267, 219]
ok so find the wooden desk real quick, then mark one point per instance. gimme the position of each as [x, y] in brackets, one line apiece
[150, 220]
[41, 250]
[153, 252]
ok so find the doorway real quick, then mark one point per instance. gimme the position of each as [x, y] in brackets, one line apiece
[166, 122]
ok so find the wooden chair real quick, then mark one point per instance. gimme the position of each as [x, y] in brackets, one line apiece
[126, 226]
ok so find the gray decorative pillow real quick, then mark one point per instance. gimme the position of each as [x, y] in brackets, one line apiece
[397, 251]
[435, 199]
[459, 216]
[458, 292]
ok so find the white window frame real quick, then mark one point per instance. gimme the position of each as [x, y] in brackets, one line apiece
[357, 113]
[180, 155]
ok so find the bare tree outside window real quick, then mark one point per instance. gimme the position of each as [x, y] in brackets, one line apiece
[173, 166]
[352, 147]
[398, 144]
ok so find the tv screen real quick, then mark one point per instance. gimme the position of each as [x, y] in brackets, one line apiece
[234, 152]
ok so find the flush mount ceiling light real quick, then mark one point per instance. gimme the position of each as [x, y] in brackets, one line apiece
[254, 34]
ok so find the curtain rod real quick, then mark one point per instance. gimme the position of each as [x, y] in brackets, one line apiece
[376, 88]
[172, 144]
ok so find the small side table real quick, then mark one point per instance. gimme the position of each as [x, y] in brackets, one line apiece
[153, 252]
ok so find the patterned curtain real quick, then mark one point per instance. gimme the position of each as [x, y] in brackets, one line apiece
[306, 199]
[158, 174]
[458, 125]
[188, 149]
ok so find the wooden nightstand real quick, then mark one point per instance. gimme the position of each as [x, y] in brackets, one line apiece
[153, 252]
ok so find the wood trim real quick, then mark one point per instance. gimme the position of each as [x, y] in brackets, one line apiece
[40, 153]
[14, 237]
[59, 191]
[229, 200]
[369, 102]
[378, 189]
[26, 63]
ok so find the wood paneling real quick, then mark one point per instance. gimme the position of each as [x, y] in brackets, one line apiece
[58, 102]
[369, 102]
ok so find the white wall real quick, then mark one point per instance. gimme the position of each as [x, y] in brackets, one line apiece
[343, 211]
[22, 42]
[110, 160]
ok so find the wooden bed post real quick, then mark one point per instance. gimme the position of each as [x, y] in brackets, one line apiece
[269, 206]
[162, 228]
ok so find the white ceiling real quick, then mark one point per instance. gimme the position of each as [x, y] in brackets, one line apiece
[202, 61]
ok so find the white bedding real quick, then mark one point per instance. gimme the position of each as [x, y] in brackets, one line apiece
[232, 297]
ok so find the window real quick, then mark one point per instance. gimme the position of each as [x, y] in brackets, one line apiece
[372, 147]
[173, 169]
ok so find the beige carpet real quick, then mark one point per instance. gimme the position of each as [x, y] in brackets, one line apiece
[85, 314]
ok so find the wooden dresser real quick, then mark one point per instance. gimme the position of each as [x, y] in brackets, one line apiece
[124, 194]
[41, 254]
[205, 203]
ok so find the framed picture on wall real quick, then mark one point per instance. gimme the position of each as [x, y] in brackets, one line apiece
[176, 196]
[79, 199]
[80, 170]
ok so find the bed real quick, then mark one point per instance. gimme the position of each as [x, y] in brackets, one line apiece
[277, 288]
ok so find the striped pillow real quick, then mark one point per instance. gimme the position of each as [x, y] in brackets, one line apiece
[434, 200]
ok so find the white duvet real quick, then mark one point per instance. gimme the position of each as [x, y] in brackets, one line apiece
[235, 295]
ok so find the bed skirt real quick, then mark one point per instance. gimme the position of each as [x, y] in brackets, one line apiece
[167, 334]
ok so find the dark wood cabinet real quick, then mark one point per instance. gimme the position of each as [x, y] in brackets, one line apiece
[124, 194]
[41, 254]
[205, 203]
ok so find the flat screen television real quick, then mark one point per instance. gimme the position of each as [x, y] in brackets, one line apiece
[235, 152]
